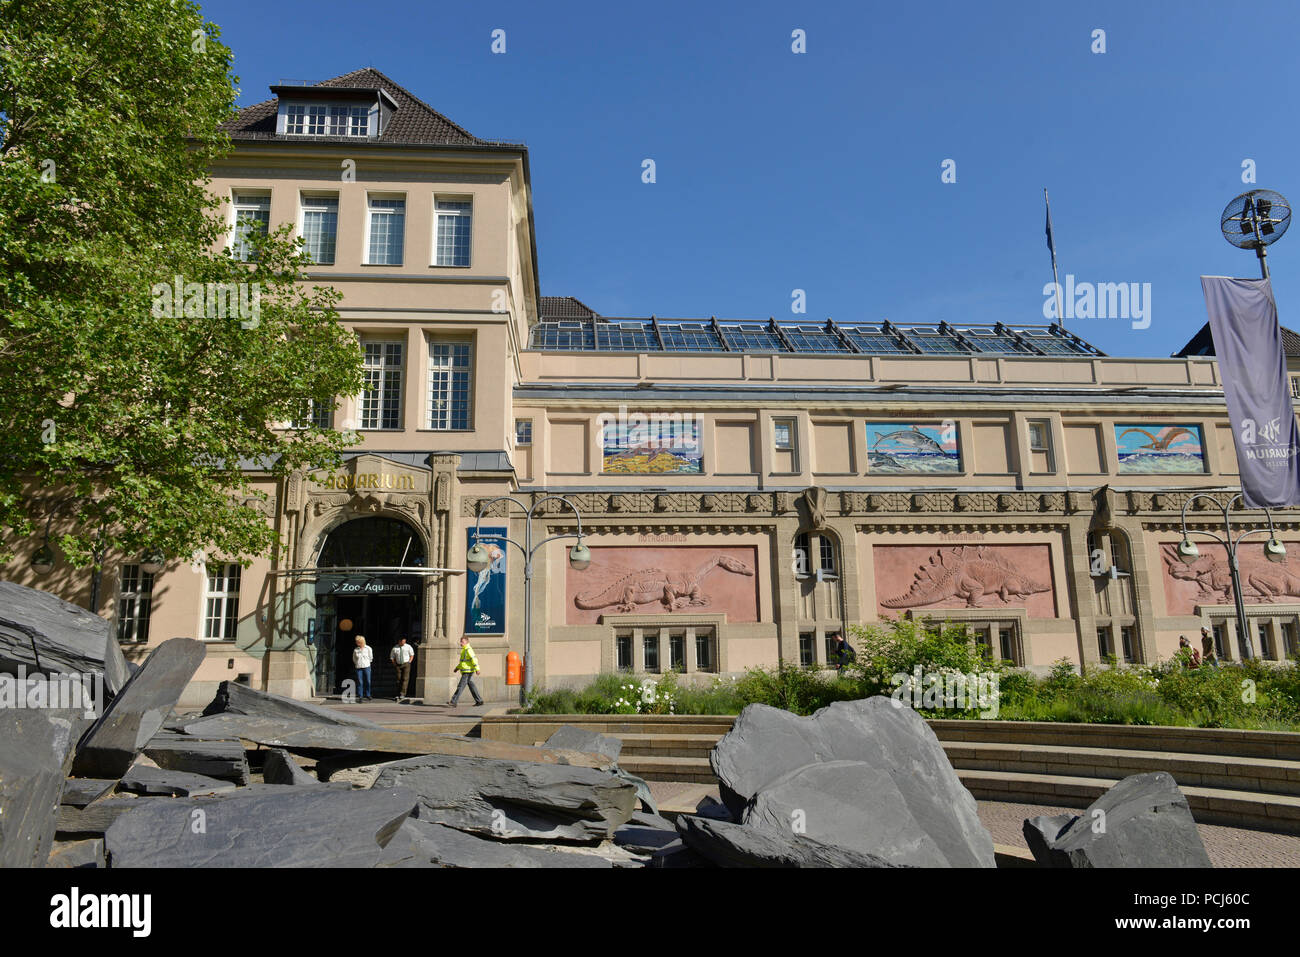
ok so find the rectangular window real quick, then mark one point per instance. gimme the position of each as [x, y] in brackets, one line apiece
[295, 119]
[134, 604]
[807, 649]
[1266, 641]
[651, 657]
[623, 651]
[1126, 640]
[387, 232]
[252, 218]
[983, 643]
[523, 432]
[1007, 644]
[783, 434]
[1220, 641]
[381, 402]
[704, 650]
[1040, 446]
[450, 381]
[1289, 642]
[1104, 649]
[221, 617]
[320, 227]
[827, 548]
[452, 245]
[316, 120]
[677, 652]
[315, 414]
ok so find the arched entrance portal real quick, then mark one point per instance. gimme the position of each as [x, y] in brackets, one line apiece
[361, 590]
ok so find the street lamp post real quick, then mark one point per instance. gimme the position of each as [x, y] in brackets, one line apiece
[477, 559]
[1274, 551]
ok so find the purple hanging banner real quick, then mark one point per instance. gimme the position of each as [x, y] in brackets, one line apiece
[1252, 362]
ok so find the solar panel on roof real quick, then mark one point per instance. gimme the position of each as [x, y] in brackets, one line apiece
[563, 336]
[626, 337]
[929, 339]
[752, 337]
[1053, 343]
[873, 340]
[689, 337]
[813, 339]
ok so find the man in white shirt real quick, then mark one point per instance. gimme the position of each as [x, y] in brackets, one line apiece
[402, 656]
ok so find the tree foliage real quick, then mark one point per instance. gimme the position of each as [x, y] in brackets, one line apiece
[134, 425]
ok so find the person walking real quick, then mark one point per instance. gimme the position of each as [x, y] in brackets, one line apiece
[467, 666]
[362, 657]
[401, 657]
[843, 653]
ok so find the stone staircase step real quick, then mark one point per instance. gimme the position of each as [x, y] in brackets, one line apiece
[1267, 775]
[1232, 808]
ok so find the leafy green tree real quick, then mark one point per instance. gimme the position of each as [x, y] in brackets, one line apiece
[128, 415]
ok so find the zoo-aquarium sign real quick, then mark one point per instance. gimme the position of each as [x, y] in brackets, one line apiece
[485, 591]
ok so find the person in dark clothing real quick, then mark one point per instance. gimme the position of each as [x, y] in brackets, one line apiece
[843, 654]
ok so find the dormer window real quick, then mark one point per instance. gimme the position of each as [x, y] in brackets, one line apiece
[319, 119]
[332, 111]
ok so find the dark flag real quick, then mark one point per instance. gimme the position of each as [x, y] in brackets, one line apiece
[1051, 243]
[1252, 363]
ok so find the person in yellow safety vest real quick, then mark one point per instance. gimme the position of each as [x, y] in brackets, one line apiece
[468, 668]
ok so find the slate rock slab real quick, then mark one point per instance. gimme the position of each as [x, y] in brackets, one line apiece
[1142, 821]
[213, 757]
[642, 789]
[36, 751]
[95, 818]
[78, 792]
[514, 800]
[139, 709]
[646, 819]
[747, 845]
[69, 639]
[159, 781]
[280, 768]
[580, 739]
[314, 737]
[235, 698]
[441, 846]
[285, 827]
[84, 854]
[862, 772]
[644, 840]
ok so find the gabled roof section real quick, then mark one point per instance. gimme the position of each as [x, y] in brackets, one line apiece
[1202, 344]
[564, 307]
[413, 122]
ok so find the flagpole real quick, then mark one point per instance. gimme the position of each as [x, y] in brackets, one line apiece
[1051, 244]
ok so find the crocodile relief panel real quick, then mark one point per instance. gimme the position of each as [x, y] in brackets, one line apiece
[922, 577]
[1207, 580]
[664, 581]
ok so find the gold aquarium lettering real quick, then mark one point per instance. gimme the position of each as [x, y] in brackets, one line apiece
[367, 480]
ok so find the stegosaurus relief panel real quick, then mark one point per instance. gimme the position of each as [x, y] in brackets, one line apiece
[663, 581]
[1207, 580]
[922, 577]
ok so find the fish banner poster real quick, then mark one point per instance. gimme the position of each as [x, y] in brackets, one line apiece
[1252, 362]
[485, 591]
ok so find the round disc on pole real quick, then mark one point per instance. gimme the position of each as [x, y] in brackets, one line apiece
[1255, 219]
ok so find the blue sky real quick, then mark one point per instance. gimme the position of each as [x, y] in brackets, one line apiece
[821, 171]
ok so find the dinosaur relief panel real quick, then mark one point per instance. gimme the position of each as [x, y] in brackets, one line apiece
[1208, 580]
[965, 576]
[660, 581]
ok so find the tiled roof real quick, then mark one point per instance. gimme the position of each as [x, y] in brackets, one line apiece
[564, 307]
[413, 123]
[1202, 344]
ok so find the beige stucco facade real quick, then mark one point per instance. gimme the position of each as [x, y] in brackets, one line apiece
[1069, 537]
